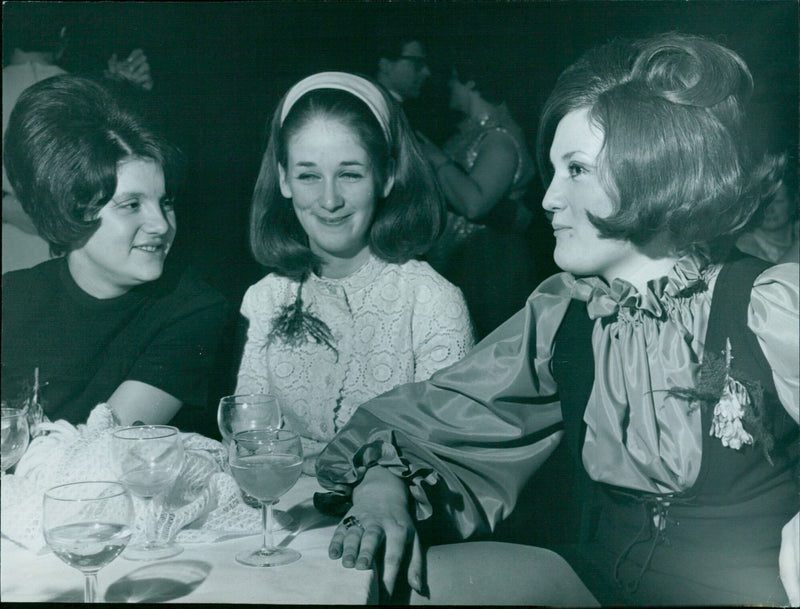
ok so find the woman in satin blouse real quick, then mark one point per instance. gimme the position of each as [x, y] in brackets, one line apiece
[671, 376]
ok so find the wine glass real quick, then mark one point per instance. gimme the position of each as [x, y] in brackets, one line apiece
[247, 411]
[148, 459]
[14, 435]
[266, 463]
[87, 525]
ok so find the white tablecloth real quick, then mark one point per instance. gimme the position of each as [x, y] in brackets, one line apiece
[204, 573]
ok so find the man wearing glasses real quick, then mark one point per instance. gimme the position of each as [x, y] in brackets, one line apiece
[402, 67]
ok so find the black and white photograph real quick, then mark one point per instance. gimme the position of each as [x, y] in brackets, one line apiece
[401, 302]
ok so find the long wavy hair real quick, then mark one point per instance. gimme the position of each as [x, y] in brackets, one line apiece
[407, 221]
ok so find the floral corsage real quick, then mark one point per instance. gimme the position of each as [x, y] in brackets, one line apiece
[738, 417]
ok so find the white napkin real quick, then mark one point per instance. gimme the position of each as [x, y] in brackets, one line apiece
[204, 505]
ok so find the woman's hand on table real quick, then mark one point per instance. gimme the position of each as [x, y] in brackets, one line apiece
[379, 518]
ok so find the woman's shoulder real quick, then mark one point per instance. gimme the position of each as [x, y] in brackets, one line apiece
[33, 293]
[777, 285]
[185, 287]
[272, 282]
[269, 290]
[418, 274]
[560, 285]
[44, 274]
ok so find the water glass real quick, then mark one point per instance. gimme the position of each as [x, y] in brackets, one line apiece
[15, 436]
[148, 459]
[87, 525]
[247, 411]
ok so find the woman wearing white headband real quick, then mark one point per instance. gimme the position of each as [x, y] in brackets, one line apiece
[343, 204]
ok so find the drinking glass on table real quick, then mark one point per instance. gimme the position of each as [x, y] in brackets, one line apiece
[15, 436]
[247, 411]
[266, 463]
[87, 525]
[148, 459]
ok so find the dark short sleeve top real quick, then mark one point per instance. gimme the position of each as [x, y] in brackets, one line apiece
[164, 333]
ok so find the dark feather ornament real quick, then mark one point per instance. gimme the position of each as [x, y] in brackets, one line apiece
[295, 326]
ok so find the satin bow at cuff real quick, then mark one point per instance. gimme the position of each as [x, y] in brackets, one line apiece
[379, 450]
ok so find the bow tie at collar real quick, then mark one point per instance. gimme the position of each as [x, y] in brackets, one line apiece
[603, 300]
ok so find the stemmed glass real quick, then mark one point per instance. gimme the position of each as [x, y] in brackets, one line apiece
[14, 435]
[148, 459]
[247, 411]
[266, 463]
[87, 525]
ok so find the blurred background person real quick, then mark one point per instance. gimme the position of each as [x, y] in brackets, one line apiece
[343, 205]
[485, 170]
[773, 235]
[402, 66]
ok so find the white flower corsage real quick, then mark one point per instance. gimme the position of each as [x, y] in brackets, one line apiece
[729, 411]
[737, 401]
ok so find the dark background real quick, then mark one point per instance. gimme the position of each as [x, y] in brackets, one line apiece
[220, 69]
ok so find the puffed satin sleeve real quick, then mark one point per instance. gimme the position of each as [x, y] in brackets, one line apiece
[773, 318]
[471, 436]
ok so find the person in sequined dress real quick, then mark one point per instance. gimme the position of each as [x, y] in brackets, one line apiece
[485, 170]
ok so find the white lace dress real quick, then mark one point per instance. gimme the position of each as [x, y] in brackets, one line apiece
[391, 323]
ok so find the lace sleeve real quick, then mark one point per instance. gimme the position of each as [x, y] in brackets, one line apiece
[442, 330]
[258, 308]
[773, 318]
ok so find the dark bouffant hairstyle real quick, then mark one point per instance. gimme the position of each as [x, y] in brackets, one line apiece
[406, 223]
[65, 138]
[675, 159]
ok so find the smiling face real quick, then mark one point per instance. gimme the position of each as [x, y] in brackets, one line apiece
[334, 190]
[575, 190]
[137, 227]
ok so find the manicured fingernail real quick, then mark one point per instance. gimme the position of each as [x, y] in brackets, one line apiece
[362, 564]
[347, 561]
[334, 553]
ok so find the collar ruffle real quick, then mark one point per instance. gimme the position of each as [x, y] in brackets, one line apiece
[687, 276]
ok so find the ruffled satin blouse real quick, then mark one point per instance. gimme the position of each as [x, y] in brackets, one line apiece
[484, 425]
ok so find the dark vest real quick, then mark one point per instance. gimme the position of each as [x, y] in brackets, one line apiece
[727, 477]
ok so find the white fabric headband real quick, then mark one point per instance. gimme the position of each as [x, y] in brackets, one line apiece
[356, 85]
